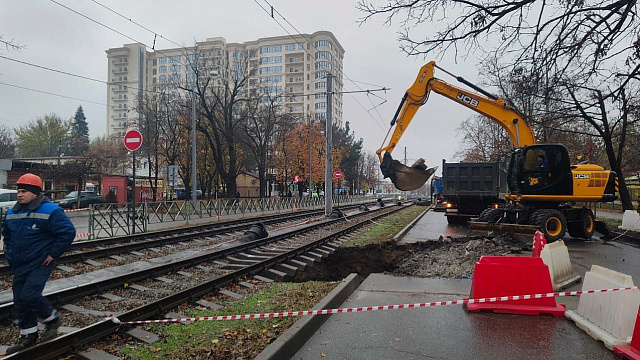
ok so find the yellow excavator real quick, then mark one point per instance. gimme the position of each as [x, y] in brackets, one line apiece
[545, 189]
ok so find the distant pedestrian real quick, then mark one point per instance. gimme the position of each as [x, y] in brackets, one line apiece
[237, 194]
[36, 232]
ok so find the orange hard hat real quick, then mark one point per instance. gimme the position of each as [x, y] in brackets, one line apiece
[30, 179]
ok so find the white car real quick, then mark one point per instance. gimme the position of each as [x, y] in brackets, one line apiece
[8, 198]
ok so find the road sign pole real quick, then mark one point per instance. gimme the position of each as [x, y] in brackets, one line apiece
[133, 196]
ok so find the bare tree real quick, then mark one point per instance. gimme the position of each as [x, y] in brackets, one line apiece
[260, 126]
[483, 140]
[7, 143]
[221, 103]
[579, 34]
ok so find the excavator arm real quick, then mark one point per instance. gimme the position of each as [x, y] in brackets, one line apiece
[495, 108]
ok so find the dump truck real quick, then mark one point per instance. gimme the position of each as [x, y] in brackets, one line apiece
[468, 188]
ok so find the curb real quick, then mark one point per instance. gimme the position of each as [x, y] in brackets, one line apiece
[288, 344]
[399, 236]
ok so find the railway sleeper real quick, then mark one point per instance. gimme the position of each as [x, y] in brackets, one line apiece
[274, 274]
[307, 259]
[286, 268]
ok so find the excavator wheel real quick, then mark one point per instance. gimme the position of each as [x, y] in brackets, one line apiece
[585, 228]
[490, 215]
[551, 222]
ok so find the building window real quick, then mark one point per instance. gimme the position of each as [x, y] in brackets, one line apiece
[271, 60]
[321, 105]
[270, 79]
[155, 62]
[162, 78]
[271, 70]
[323, 65]
[324, 43]
[321, 74]
[163, 60]
[190, 57]
[174, 68]
[174, 59]
[270, 49]
[323, 55]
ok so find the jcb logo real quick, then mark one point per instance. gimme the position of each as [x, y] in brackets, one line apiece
[533, 181]
[467, 99]
[581, 176]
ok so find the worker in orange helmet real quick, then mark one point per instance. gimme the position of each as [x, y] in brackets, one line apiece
[36, 232]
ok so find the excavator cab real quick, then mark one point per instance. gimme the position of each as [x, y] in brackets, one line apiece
[543, 169]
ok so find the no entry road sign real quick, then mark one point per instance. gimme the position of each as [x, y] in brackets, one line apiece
[132, 140]
[337, 174]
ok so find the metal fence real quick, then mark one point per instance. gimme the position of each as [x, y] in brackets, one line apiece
[117, 220]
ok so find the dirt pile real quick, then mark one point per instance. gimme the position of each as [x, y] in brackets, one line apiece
[455, 258]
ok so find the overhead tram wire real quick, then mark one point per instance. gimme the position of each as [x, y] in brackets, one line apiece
[119, 32]
[342, 72]
[72, 74]
[305, 50]
[54, 94]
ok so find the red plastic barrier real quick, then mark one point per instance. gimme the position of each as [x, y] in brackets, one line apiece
[496, 276]
[631, 351]
[539, 241]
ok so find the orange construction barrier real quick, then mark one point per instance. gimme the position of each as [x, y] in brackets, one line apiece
[496, 276]
[539, 241]
[631, 351]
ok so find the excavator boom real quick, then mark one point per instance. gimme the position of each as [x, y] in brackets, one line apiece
[411, 178]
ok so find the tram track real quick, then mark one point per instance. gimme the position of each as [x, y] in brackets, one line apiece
[274, 257]
[86, 250]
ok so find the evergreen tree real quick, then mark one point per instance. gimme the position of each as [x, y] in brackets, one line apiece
[79, 133]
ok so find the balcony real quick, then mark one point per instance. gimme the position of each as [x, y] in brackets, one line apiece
[113, 98]
[120, 71]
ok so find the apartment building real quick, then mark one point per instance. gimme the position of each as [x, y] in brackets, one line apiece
[291, 69]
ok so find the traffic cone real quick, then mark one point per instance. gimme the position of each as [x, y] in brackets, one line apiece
[539, 241]
[631, 351]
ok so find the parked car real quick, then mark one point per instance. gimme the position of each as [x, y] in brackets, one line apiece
[87, 199]
[8, 198]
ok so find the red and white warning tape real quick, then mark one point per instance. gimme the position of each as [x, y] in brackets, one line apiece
[82, 234]
[368, 308]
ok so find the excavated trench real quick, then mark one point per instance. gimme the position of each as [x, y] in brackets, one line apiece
[375, 258]
[444, 258]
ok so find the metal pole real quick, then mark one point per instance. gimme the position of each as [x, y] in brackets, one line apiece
[133, 196]
[193, 148]
[328, 184]
[310, 197]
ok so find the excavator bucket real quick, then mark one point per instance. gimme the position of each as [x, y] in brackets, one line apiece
[404, 177]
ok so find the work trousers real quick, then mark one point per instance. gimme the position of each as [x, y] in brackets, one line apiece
[28, 300]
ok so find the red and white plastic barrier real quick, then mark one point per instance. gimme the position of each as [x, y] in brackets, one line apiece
[631, 351]
[370, 308]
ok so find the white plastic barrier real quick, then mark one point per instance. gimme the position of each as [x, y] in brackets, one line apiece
[556, 256]
[630, 220]
[608, 317]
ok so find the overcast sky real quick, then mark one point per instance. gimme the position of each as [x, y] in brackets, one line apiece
[60, 39]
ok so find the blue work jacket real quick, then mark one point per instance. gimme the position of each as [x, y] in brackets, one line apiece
[34, 231]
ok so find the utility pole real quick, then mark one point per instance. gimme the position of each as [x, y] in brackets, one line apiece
[310, 149]
[328, 183]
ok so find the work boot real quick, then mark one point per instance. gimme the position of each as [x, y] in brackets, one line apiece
[25, 341]
[51, 328]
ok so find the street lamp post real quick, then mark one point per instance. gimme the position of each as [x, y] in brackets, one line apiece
[194, 196]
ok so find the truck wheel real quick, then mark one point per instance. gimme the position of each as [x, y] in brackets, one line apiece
[583, 228]
[551, 222]
[490, 215]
